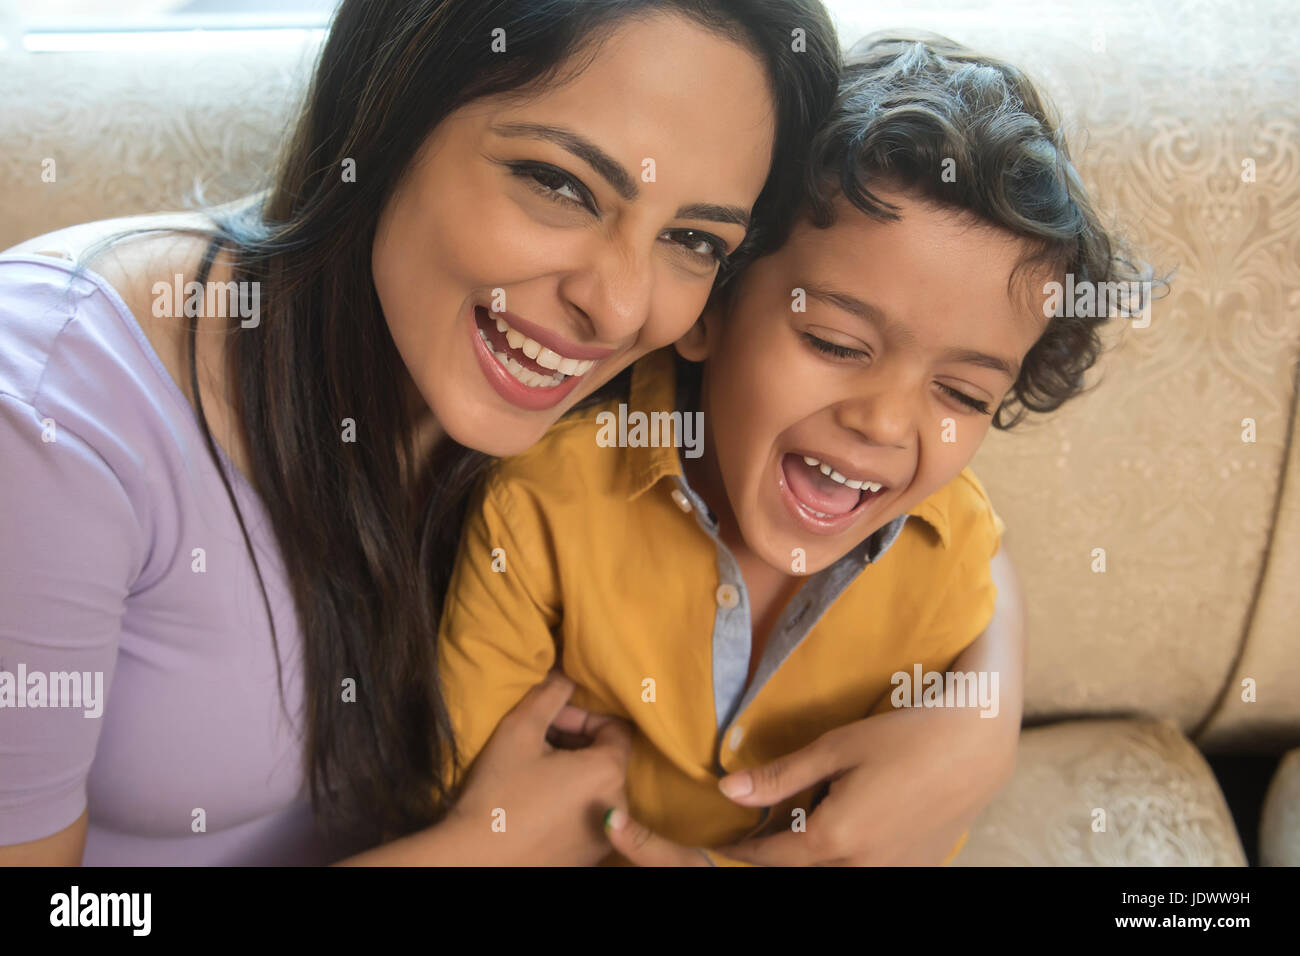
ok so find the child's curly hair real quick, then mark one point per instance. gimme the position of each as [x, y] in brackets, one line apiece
[934, 118]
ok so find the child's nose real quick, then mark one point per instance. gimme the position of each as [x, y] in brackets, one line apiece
[882, 417]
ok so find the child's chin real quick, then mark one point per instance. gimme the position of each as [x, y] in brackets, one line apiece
[794, 557]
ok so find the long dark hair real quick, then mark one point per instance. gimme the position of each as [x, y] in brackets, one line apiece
[368, 534]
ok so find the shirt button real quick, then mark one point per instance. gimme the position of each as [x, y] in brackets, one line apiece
[682, 501]
[728, 596]
[737, 735]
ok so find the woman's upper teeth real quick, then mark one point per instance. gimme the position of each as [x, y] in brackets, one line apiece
[836, 476]
[543, 356]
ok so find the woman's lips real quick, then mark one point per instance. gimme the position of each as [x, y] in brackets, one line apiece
[548, 338]
[507, 385]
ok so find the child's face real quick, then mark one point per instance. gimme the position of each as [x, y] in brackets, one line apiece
[897, 301]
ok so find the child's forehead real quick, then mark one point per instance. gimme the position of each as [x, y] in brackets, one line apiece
[932, 258]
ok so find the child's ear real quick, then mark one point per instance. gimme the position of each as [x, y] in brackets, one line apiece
[694, 346]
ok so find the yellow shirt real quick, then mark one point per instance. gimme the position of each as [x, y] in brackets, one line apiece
[582, 556]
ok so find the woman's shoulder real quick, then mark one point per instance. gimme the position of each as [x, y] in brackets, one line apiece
[72, 352]
[124, 273]
[103, 320]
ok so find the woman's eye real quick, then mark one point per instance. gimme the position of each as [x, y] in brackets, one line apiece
[830, 348]
[554, 184]
[708, 248]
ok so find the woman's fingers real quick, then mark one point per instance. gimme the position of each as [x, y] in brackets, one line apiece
[610, 732]
[644, 847]
[570, 720]
[784, 777]
[575, 728]
[543, 703]
[789, 848]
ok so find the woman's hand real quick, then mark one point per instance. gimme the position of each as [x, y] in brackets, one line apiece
[903, 785]
[903, 788]
[526, 802]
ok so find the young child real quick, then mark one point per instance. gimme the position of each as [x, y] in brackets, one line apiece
[829, 545]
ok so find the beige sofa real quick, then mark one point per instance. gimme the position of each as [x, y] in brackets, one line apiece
[1188, 641]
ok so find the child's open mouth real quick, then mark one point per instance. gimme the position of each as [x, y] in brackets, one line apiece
[824, 500]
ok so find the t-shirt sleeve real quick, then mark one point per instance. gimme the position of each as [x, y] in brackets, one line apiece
[496, 639]
[70, 549]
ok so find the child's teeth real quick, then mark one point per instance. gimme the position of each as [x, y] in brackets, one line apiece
[859, 485]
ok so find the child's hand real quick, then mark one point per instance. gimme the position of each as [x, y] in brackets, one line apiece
[526, 802]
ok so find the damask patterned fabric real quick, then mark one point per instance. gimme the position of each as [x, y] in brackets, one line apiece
[1106, 793]
[1155, 521]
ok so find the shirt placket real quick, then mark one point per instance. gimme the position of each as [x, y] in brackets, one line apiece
[733, 631]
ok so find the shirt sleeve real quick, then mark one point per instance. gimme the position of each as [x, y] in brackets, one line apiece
[69, 552]
[496, 636]
[969, 592]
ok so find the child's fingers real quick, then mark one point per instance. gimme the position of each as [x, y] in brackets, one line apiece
[644, 847]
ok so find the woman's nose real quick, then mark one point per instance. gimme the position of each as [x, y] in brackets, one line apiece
[613, 289]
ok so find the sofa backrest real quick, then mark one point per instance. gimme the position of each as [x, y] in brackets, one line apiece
[1183, 119]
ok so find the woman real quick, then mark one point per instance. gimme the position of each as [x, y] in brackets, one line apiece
[263, 616]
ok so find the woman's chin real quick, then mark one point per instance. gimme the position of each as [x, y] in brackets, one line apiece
[501, 436]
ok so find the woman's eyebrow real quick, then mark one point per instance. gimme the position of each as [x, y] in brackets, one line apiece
[609, 168]
[715, 213]
[890, 329]
[613, 172]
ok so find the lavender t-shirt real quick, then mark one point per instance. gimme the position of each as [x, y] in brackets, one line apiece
[120, 556]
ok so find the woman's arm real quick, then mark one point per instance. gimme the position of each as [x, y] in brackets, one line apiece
[64, 848]
[557, 798]
[906, 784]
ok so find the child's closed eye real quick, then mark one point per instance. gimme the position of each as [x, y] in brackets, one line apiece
[843, 351]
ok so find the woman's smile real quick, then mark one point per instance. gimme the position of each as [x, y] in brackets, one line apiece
[523, 370]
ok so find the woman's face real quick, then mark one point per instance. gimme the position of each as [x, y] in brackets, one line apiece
[571, 232]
